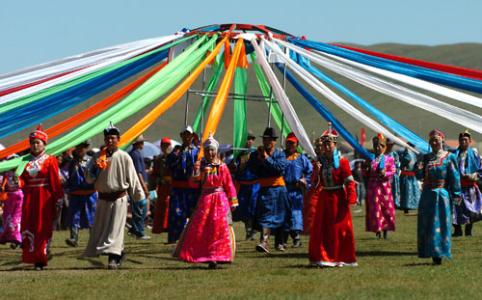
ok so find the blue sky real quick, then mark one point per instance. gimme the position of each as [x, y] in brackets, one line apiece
[34, 31]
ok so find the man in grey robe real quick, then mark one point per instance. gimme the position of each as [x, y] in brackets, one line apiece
[113, 174]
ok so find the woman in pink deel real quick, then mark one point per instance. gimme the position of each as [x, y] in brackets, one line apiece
[380, 209]
[12, 209]
[209, 237]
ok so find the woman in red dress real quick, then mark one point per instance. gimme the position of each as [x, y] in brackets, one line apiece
[332, 242]
[42, 191]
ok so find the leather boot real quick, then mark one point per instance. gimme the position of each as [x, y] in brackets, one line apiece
[468, 229]
[295, 235]
[73, 241]
[263, 246]
[457, 230]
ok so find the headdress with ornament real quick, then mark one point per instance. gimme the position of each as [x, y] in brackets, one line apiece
[210, 142]
[437, 132]
[380, 139]
[40, 134]
[111, 130]
[330, 134]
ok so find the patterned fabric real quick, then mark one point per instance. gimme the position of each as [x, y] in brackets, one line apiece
[380, 209]
[332, 241]
[395, 181]
[272, 203]
[470, 209]
[12, 211]
[209, 236]
[41, 190]
[409, 187]
[441, 183]
[299, 167]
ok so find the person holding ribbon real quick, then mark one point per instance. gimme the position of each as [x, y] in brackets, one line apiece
[380, 208]
[208, 236]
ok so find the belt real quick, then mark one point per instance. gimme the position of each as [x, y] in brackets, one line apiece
[183, 184]
[407, 173]
[246, 182]
[436, 184]
[332, 188]
[272, 181]
[212, 190]
[467, 183]
[82, 192]
[112, 196]
[37, 185]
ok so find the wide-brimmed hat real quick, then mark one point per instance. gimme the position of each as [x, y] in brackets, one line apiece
[139, 139]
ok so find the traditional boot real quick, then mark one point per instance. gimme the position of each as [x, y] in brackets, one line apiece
[468, 229]
[295, 235]
[73, 241]
[263, 246]
[279, 238]
[457, 230]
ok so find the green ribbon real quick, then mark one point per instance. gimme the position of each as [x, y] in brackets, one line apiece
[240, 129]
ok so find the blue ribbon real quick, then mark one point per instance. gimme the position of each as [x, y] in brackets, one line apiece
[401, 130]
[33, 113]
[326, 114]
[453, 80]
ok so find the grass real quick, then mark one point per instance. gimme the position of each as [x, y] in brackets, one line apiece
[388, 269]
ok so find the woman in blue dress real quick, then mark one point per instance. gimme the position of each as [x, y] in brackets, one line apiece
[409, 188]
[441, 183]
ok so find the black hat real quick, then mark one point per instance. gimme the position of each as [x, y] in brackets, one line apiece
[466, 133]
[111, 130]
[270, 132]
[84, 144]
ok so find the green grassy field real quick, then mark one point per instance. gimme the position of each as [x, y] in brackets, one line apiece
[388, 269]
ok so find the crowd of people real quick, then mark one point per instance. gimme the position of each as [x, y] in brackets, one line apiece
[198, 192]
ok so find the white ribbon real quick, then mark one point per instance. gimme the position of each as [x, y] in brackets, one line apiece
[337, 100]
[105, 61]
[283, 101]
[455, 114]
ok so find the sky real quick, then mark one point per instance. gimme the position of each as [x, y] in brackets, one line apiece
[34, 31]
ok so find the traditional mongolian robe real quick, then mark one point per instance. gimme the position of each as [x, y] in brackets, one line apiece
[272, 203]
[163, 181]
[12, 209]
[395, 181]
[332, 242]
[82, 196]
[299, 167]
[310, 201]
[42, 190]
[409, 187]
[380, 209]
[115, 184]
[470, 208]
[247, 189]
[209, 237]
[184, 193]
[441, 182]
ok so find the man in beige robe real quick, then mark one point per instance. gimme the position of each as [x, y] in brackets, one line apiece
[113, 174]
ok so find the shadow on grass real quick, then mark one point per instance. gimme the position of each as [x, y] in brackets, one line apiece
[385, 253]
[419, 264]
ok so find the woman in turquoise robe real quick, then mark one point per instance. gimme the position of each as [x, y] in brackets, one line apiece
[441, 183]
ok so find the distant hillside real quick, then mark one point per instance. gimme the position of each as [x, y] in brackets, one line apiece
[420, 121]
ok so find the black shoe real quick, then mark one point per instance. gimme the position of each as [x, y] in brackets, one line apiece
[112, 264]
[457, 231]
[121, 258]
[14, 246]
[39, 266]
[468, 229]
[437, 261]
[71, 243]
[385, 234]
[212, 265]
